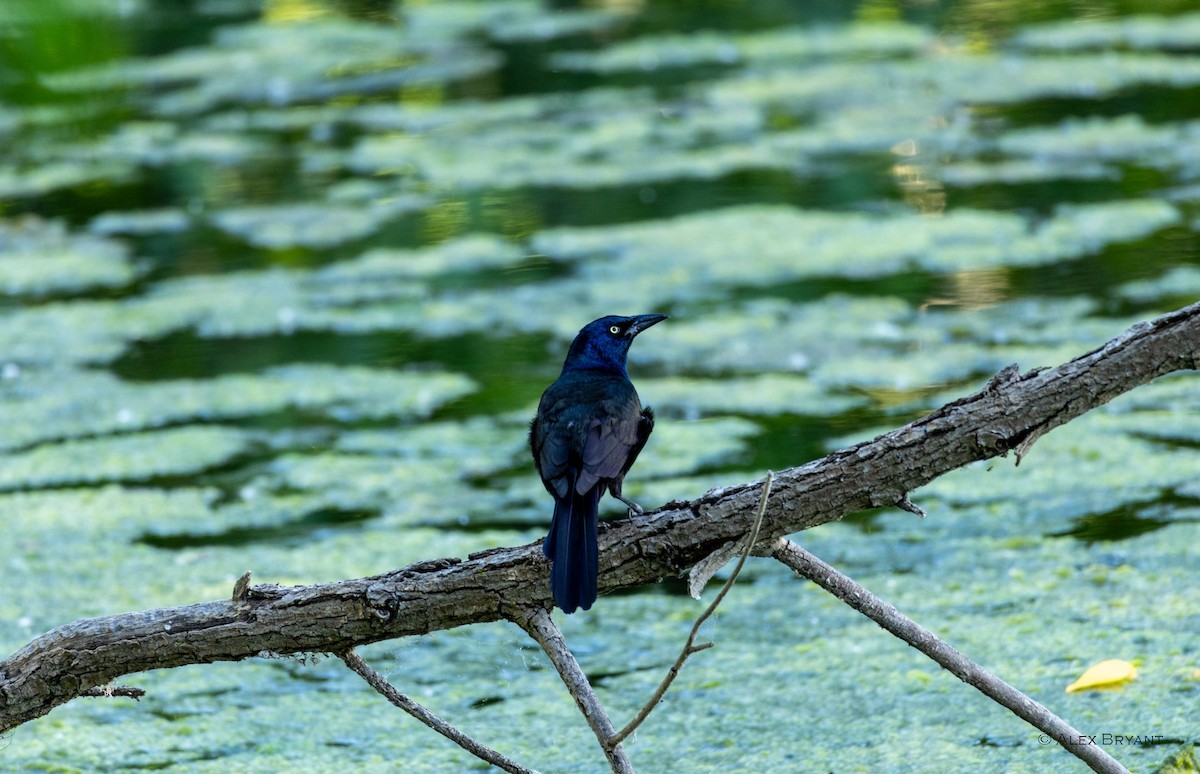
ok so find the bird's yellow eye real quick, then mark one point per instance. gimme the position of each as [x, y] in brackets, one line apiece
[614, 330]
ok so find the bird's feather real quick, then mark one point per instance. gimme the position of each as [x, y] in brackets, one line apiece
[571, 546]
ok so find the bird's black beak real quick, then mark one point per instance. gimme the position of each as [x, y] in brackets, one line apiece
[643, 321]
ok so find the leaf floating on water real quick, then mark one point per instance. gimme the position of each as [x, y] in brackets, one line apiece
[1110, 673]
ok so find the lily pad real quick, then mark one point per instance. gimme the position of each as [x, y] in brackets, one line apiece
[83, 332]
[771, 335]
[102, 516]
[949, 77]
[405, 491]
[1177, 426]
[655, 52]
[39, 258]
[475, 115]
[656, 491]
[1017, 171]
[161, 221]
[43, 406]
[476, 447]
[1181, 281]
[767, 245]
[289, 520]
[507, 21]
[881, 344]
[1174, 392]
[1175, 32]
[19, 181]
[256, 64]
[1126, 138]
[540, 26]
[630, 145]
[469, 253]
[767, 394]
[311, 225]
[378, 291]
[680, 448]
[134, 457]
[1089, 456]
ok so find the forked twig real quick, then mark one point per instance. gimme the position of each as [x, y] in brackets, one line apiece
[690, 646]
[987, 682]
[380, 683]
[538, 624]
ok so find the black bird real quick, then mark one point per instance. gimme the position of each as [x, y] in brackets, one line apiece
[590, 427]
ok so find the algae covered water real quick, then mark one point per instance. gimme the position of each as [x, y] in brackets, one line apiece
[281, 282]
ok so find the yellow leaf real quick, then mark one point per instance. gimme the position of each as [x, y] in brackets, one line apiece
[1106, 674]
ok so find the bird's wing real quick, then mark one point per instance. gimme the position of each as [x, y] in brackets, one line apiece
[551, 451]
[606, 450]
[644, 428]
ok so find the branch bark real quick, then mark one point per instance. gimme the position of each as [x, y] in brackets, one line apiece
[501, 583]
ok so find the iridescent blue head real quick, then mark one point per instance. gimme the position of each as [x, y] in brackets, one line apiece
[604, 343]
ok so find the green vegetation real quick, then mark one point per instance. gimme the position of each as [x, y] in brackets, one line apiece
[281, 282]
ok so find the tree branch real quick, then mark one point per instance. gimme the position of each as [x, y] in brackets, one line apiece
[389, 692]
[503, 582]
[829, 578]
[538, 624]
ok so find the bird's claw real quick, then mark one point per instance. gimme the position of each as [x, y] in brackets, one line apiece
[634, 508]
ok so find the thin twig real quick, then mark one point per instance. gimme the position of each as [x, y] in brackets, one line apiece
[538, 624]
[690, 646]
[891, 619]
[380, 683]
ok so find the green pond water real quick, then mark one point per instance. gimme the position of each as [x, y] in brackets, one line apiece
[281, 282]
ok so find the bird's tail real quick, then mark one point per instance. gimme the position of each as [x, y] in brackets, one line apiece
[571, 547]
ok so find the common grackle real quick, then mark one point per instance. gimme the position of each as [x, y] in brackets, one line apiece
[589, 428]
